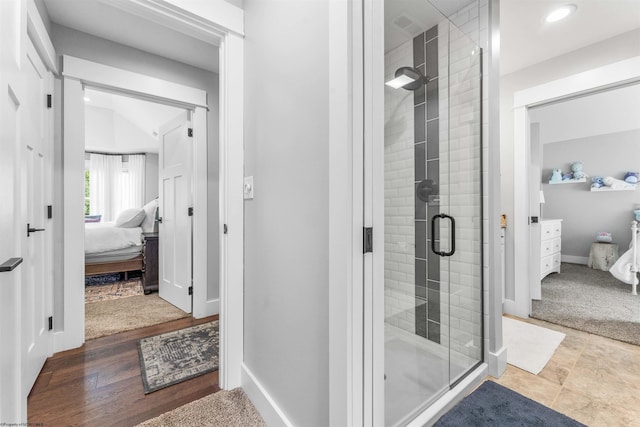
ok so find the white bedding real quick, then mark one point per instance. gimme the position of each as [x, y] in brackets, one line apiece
[621, 270]
[104, 236]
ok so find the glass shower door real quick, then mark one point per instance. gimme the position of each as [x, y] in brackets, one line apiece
[433, 242]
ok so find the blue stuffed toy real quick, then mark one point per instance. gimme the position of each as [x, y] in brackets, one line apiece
[631, 177]
[576, 167]
[556, 176]
[567, 176]
[597, 182]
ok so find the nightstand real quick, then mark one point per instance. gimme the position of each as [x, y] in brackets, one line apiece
[149, 262]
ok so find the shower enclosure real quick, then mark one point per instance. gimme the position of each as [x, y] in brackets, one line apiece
[433, 333]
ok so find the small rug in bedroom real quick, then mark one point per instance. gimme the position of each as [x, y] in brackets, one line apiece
[125, 314]
[494, 405]
[590, 300]
[177, 356]
[113, 290]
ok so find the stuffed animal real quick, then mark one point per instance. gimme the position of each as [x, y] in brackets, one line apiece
[567, 176]
[631, 177]
[597, 182]
[576, 167]
[556, 176]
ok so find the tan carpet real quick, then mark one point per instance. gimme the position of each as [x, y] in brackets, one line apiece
[125, 314]
[221, 409]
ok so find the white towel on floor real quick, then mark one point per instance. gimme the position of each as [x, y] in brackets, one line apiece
[621, 270]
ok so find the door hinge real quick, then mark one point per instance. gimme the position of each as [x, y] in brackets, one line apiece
[49, 211]
[368, 240]
[533, 220]
[224, 229]
[51, 323]
[190, 211]
[49, 100]
[190, 132]
[190, 290]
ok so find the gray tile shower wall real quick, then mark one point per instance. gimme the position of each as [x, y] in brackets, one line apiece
[426, 151]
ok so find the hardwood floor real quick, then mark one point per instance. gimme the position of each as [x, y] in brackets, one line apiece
[100, 384]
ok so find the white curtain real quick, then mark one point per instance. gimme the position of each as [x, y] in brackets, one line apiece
[104, 183]
[113, 188]
[132, 183]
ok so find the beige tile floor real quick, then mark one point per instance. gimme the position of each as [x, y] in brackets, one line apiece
[591, 379]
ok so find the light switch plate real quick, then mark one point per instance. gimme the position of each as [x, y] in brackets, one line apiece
[248, 187]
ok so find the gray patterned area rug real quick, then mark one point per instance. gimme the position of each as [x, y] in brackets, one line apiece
[177, 356]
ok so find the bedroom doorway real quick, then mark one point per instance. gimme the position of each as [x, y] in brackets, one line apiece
[137, 228]
[518, 297]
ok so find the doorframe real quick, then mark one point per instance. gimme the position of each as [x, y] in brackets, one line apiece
[600, 78]
[219, 23]
[78, 74]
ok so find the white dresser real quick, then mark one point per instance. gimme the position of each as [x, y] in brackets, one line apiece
[550, 246]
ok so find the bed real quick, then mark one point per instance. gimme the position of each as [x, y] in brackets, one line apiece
[116, 247]
[627, 266]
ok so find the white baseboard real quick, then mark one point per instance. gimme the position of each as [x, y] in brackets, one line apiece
[261, 399]
[575, 259]
[209, 308]
[498, 362]
[58, 342]
[451, 398]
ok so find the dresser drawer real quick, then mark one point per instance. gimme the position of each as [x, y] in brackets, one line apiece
[546, 248]
[556, 260]
[557, 245]
[546, 231]
[546, 264]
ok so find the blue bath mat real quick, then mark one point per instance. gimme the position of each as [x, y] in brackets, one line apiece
[494, 405]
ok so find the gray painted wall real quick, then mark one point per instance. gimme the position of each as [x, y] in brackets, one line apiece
[75, 43]
[596, 55]
[584, 212]
[151, 177]
[286, 290]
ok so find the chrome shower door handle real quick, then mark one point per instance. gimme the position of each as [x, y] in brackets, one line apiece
[453, 235]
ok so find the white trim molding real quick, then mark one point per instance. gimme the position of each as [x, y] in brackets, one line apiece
[208, 21]
[107, 77]
[597, 79]
[231, 210]
[40, 38]
[262, 400]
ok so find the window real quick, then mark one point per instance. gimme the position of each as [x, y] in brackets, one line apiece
[87, 200]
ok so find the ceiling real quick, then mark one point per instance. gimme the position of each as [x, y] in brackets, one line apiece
[145, 115]
[526, 39]
[581, 117]
[101, 19]
[405, 19]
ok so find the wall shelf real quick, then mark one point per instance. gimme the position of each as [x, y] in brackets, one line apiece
[605, 189]
[569, 181]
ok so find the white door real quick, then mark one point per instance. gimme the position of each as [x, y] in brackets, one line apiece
[12, 403]
[175, 240]
[37, 278]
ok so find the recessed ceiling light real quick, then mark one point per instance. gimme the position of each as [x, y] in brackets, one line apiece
[87, 99]
[561, 13]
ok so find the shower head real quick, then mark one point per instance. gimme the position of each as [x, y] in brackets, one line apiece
[408, 78]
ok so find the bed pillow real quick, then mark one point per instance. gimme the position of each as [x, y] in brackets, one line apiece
[130, 218]
[149, 223]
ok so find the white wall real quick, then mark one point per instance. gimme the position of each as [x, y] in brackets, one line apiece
[606, 52]
[286, 290]
[75, 43]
